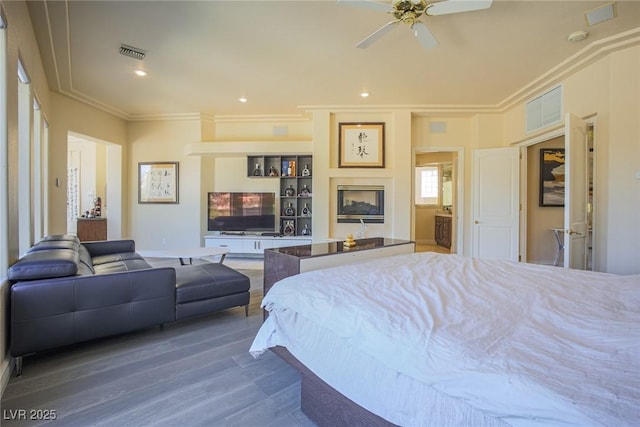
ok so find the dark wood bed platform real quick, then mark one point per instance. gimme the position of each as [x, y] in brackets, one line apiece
[326, 406]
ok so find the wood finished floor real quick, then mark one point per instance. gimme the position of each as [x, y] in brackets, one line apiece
[196, 372]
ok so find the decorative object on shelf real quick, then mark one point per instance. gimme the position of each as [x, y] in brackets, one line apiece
[290, 191]
[306, 171]
[273, 171]
[290, 210]
[291, 168]
[362, 233]
[551, 177]
[361, 145]
[285, 168]
[257, 171]
[97, 206]
[304, 191]
[288, 228]
[306, 231]
[158, 182]
[306, 210]
[349, 242]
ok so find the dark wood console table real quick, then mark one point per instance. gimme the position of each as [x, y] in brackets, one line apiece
[91, 229]
[284, 262]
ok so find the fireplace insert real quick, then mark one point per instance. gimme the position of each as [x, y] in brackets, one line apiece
[361, 202]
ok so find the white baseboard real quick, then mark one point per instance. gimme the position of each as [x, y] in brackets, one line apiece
[7, 368]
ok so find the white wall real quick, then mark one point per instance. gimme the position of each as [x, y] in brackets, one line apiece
[158, 226]
[609, 89]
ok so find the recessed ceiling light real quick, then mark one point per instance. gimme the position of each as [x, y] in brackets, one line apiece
[601, 13]
[141, 73]
[364, 94]
[243, 99]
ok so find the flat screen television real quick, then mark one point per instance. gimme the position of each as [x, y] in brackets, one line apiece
[241, 212]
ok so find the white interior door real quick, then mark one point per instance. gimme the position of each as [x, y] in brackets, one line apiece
[496, 183]
[575, 192]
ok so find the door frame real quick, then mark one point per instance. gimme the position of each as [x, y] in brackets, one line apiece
[458, 228]
[113, 208]
[551, 134]
[556, 132]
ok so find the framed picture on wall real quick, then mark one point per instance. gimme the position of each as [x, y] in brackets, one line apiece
[361, 145]
[158, 182]
[551, 177]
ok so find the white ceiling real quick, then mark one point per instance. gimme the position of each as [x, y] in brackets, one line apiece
[283, 55]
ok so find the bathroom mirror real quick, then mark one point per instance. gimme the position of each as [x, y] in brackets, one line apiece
[447, 186]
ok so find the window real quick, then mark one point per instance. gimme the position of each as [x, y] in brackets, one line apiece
[36, 172]
[427, 185]
[25, 144]
[4, 202]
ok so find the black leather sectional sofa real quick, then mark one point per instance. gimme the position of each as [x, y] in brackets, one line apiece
[65, 292]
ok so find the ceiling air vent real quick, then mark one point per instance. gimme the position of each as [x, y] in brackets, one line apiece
[545, 110]
[131, 51]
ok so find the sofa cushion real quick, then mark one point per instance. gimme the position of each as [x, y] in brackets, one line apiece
[121, 266]
[115, 257]
[85, 260]
[210, 280]
[115, 263]
[44, 264]
[44, 245]
[68, 237]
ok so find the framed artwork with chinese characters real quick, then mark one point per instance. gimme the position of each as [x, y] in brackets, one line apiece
[361, 145]
[158, 182]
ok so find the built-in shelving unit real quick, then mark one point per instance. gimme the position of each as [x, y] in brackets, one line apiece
[296, 188]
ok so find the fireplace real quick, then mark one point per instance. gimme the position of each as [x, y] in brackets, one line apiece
[361, 202]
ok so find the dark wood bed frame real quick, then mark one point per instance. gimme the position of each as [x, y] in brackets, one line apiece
[324, 405]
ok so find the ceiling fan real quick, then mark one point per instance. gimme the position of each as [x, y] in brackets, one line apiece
[408, 12]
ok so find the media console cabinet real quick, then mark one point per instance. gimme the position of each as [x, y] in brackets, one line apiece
[249, 245]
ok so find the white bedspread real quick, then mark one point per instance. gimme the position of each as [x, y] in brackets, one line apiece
[527, 344]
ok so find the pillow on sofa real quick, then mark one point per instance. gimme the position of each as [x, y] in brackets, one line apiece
[45, 264]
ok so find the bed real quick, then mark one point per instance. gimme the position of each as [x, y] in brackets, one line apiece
[429, 339]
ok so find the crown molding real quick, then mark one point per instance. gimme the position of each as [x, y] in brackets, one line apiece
[587, 56]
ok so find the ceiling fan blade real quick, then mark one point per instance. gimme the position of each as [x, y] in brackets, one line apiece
[367, 4]
[424, 36]
[456, 6]
[377, 34]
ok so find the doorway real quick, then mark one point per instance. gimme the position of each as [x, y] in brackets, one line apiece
[94, 170]
[436, 211]
[545, 224]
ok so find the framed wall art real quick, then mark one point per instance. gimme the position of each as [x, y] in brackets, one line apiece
[551, 177]
[361, 145]
[158, 182]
